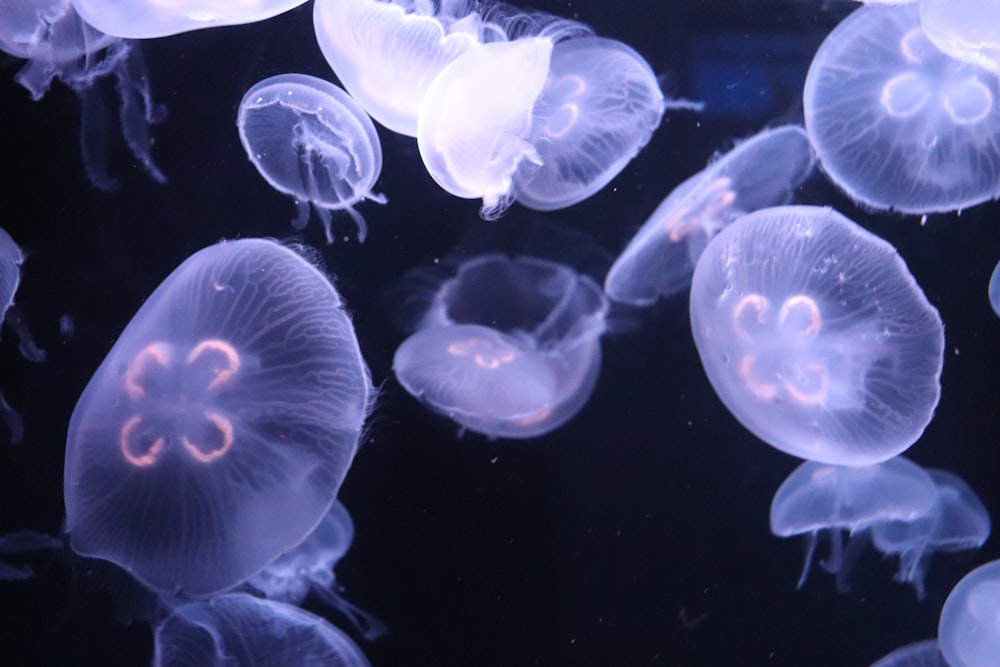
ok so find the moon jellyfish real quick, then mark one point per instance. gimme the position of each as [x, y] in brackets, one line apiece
[215, 435]
[967, 30]
[309, 566]
[144, 19]
[58, 44]
[510, 347]
[816, 337]
[238, 629]
[994, 289]
[969, 629]
[918, 654]
[599, 106]
[958, 521]
[896, 123]
[819, 498]
[310, 140]
[760, 172]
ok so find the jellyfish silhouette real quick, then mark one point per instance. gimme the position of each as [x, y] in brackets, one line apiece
[509, 347]
[309, 567]
[818, 498]
[926, 653]
[994, 289]
[896, 123]
[144, 19]
[967, 31]
[239, 629]
[760, 172]
[309, 139]
[58, 44]
[969, 629]
[215, 435]
[816, 337]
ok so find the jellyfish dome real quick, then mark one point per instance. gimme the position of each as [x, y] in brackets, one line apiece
[215, 435]
[145, 19]
[239, 629]
[969, 629]
[918, 654]
[309, 139]
[510, 347]
[896, 123]
[967, 30]
[816, 337]
[994, 289]
[760, 172]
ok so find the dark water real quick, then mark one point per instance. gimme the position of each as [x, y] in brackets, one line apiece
[637, 534]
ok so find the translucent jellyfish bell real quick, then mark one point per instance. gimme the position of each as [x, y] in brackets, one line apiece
[145, 19]
[309, 139]
[994, 290]
[896, 123]
[238, 629]
[918, 654]
[600, 105]
[215, 435]
[969, 629]
[760, 172]
[510, 348]
[967, 30]
[816, 337]
[819, 498]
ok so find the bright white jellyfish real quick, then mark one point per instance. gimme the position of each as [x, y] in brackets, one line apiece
[969, 629]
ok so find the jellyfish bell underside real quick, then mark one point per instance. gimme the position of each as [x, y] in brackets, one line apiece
[966, 30]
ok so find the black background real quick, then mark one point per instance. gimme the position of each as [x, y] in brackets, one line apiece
[588, 546]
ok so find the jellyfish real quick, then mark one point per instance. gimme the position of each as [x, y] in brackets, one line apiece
[816, 337]
[58, 44]
[969, 629]
[310, 140]
[309, 566]
[819, 498]
[965, 30]
[925, 653]
[760, 172]
[145, 19]
[896, 123]
[958, 521]
[216, 433]
[994, 289]
[239, 629]
[509, 348]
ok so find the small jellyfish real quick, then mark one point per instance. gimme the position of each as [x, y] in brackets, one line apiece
[239, 629]
[309, 567]
[969, 629]
[145, 19]
[994, 289]
[58, 44]
[760, 172]
[958, 521]
[896, 123]
[215, 435]
[967, 30]
[309, 139]
[816, 337]
[926, 653]
[819, 498]
[509, 348]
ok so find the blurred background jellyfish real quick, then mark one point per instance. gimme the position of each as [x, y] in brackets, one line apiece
[958, 521]
[239, 629]
[58, 44]
[969, 629]
[510, 348]
[967, 30]
[818, 498]
[925, 653]
[994, 289]
[144, 19]
[215, 435]
[309, 567]
[816, 337]
[762, 171]
[896, 123]
[310, 140]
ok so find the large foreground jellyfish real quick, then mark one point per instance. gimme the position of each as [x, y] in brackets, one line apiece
[760, 172]
[926, 653]
[215, 435]
[309, 139]
[58, 44]
[144, 19]
[819, 498]
[969, 629]
[816, 337]
[510, 347]
[896, 123]
[239, 629]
